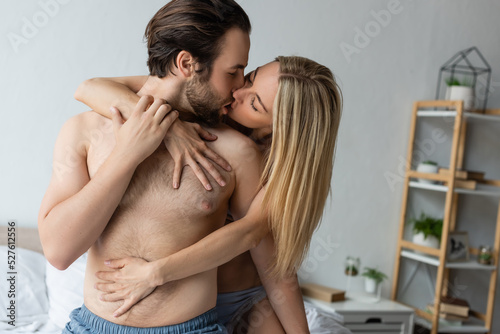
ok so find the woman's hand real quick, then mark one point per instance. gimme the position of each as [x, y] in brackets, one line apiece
[131, 280]
[141, 135]
[185, 142]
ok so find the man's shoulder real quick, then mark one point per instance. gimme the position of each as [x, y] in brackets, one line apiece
[234, 143]
[85, 121]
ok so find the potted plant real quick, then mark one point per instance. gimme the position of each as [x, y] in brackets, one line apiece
[352, 266]
[373, 278]
[427, 230]
[427, 166]
[457, 90]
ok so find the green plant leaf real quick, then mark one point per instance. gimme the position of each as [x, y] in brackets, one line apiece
[427, 225]
[374, 274]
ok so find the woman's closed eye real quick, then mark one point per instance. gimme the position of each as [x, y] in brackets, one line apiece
[252, 103]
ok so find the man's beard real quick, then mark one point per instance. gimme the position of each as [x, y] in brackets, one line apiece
[205, 102]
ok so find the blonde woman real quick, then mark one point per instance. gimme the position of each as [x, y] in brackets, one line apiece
[293, 106]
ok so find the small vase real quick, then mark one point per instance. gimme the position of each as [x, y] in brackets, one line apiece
[430, 241]
[464, 93]
[427, 168]
[370, 285]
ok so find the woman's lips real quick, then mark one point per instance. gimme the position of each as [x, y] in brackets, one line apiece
[227, 108]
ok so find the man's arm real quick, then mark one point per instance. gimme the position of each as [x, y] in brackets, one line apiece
[76, 209]
[284, 294]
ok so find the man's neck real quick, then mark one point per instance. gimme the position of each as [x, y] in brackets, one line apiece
[172, 91]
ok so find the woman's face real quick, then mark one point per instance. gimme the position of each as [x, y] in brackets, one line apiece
[253, 103]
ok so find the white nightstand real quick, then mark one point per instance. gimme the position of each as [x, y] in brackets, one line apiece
[384, 316]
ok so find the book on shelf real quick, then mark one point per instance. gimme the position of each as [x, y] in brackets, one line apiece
[464, 184]
[463, 174]
[454, 306]
[447, 318]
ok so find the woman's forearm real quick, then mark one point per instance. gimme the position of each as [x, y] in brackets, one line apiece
[219, 247]
[102, 93]
[284, 293]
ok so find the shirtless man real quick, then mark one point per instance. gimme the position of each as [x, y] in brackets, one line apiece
[110, 191]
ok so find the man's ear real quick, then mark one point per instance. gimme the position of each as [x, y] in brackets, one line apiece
[185, 63]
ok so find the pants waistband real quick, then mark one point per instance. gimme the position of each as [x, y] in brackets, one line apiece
[97, 324]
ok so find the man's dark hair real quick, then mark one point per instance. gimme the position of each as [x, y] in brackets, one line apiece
[196, 26]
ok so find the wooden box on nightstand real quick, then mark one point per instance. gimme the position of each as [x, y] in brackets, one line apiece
[384, 316]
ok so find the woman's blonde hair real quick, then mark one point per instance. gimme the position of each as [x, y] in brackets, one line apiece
[298, 170]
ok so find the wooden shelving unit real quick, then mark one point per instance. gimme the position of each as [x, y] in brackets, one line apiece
[480, 323]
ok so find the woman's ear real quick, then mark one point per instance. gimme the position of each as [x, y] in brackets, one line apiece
[185, 63]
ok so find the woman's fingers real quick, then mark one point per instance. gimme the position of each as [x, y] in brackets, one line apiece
[112, 297]
[210, 168]
[108, 287]
[204, 134]
[217, 159]
[154, 107]
[116, 264]
[168, 120]
[198, 171]
[162, 111]
[177, 174]
[142, 105]
[110, 276]
[124, 308]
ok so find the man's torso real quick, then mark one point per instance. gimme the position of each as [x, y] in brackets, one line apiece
[153, 221]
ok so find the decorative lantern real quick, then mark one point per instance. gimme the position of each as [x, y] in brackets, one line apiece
[468, 76]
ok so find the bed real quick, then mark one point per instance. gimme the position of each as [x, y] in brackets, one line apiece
[45, 296]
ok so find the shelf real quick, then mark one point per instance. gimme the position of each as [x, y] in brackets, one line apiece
[449, 184]
[470, 327]
[433, 261]
[451, 114]
[481, 189]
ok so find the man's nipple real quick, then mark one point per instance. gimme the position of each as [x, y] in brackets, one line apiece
[206, 205]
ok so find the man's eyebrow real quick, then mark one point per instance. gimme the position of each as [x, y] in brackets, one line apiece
[258, 97]
[238, 66]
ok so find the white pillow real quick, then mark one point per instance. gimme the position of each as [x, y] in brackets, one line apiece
[65, 290]
[30, 290]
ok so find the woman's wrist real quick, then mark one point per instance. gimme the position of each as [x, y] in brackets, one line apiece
[159, 274]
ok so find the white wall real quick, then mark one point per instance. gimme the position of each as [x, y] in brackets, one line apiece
[82, 39]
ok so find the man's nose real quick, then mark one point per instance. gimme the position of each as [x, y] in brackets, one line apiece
[239, 81]
[238, 94]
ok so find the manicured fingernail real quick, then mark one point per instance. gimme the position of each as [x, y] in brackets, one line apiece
[228, 168]
[176, 185]
[208, 187]
[115, 315]
[222, 183]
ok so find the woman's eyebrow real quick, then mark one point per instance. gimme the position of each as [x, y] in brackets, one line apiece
[255, 73]
[260, 101]
[257, 95]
